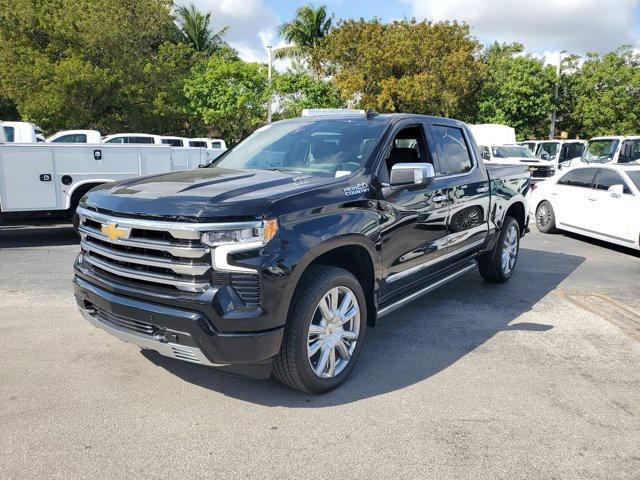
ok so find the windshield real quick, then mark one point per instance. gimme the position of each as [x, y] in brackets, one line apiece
[548, 150]
[530, 145]
[634, 175]
[329, 148]
[599, 151]
[512, 151]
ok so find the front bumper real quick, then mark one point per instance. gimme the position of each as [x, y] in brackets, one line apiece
[177, 332]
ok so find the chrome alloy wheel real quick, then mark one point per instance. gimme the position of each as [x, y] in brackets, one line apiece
[509, 250]
[543, 216]
[333, 332]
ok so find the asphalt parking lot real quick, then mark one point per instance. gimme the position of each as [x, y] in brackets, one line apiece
[538, 378]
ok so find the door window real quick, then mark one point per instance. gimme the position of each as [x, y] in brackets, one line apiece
[174, 142]
[581, 177]
[607, 178]
[197, 144]
[408, 146]
[116, 140]
[453, 154]
[10, 133]
[71, 138]
[630, 151]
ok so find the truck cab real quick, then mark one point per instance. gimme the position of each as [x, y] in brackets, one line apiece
[610, 149]
[75, 136]
[22, 132]
[559, 152]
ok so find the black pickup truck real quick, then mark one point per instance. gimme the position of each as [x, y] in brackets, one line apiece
[277, 257]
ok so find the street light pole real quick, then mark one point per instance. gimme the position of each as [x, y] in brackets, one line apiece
[552, 130]
[269, 47]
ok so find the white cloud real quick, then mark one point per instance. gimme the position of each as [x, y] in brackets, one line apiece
[252, 25]
[544, 26]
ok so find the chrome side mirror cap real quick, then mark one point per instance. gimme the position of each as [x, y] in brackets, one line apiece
[404, 174]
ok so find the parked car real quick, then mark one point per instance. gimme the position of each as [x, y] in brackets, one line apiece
[278, 256]
[21, 132]
[600, 201]
[75, 136]
[42, 180]
[132, 138]
[540, 169]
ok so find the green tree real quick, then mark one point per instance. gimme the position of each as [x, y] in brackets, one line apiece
[405, 66]
[93, 63]
[606, 95]
[306, 33]
[517, 91]
[298, 90]
[195, 30]
[229, 96]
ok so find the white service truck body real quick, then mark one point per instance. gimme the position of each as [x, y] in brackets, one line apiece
[50, 178]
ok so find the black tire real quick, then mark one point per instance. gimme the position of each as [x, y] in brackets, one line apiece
[490, 263]
[546, 218]
[292, 366]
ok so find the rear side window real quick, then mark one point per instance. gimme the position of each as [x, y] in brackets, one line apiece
[10, 133]
[174, 142]
[140, 140]
[197, 143]
[453, 154]
[216, 145]
[72, 138]
[581, 177]
[607, 178]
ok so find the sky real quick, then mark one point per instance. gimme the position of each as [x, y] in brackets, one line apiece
[544, 26]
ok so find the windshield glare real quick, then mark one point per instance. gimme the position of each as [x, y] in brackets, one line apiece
[599, 151]
[329, 148]
[548, 150]
[512, 151]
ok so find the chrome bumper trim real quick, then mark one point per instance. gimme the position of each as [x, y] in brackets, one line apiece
[167, 349]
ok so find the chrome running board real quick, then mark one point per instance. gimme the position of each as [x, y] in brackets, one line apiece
[402, 302]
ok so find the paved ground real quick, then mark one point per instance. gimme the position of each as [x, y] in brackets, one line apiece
[539, 378]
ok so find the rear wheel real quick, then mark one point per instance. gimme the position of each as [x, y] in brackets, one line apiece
[498, 265]
[325, 331]
[545, 218]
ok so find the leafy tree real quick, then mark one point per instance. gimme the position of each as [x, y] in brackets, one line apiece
[195, 30]
[297, 90]
[93, 63]
[229, 96]
[607, 95]
[405, 66]
[306, 32]
[517, 91]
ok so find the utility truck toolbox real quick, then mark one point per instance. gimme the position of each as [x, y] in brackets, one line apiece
[278, 256]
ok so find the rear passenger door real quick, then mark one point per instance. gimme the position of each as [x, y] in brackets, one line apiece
[570, 198]
[467, 187]
[611, 214]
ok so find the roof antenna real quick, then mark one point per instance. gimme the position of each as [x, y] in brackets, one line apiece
[372, 113]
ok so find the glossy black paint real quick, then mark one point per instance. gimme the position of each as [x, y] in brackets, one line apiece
[398, 229]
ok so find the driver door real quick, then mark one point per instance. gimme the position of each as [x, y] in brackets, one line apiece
[414, 232]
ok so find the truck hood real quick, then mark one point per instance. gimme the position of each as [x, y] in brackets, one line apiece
[203, 194]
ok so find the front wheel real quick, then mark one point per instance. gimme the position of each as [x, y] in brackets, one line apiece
[545, 218]
[325, 331]
[498, 265]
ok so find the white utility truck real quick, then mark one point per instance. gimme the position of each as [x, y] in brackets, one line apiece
[611, 149]
[75, 136]
[44, 180]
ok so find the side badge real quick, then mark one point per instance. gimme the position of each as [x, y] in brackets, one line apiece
[356, 189]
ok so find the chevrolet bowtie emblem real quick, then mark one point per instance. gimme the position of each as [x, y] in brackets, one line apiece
[112, 231]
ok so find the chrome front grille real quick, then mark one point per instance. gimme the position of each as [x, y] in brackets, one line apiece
[166, 253]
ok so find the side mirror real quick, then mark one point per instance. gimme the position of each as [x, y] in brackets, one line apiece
[485, 155]
[616, 191]
[405, 174]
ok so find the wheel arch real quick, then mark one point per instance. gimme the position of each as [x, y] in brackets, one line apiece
[80, 188]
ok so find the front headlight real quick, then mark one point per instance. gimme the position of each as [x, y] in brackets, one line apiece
[259, 234]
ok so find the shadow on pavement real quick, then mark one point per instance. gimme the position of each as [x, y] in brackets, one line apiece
[37, 236]
[415, 342]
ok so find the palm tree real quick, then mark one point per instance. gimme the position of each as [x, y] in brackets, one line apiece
[305, 33]
[195, 29]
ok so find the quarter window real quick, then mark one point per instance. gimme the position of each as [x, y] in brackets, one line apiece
[581, 177]
[607, 178]
[453, 154]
